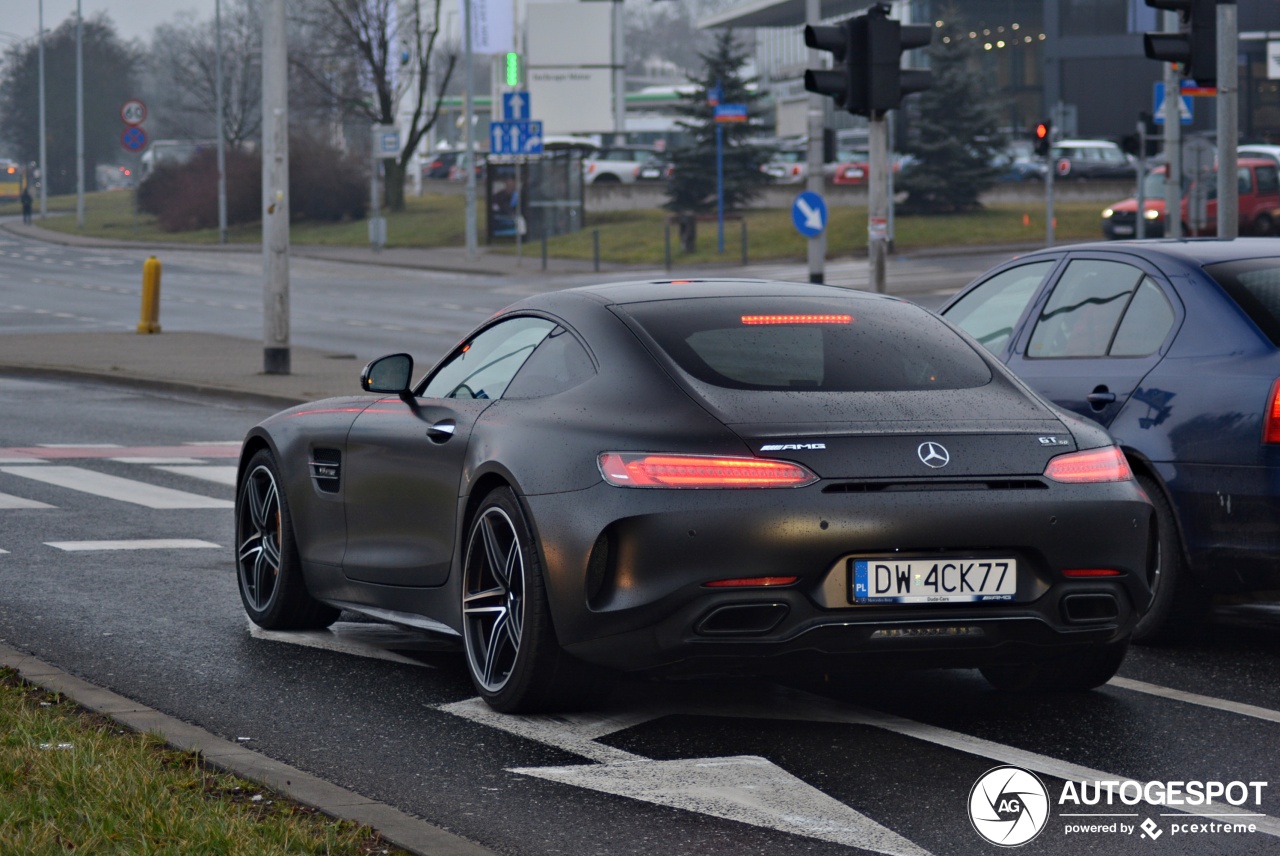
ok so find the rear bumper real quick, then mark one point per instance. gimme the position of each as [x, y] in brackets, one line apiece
[626, 570]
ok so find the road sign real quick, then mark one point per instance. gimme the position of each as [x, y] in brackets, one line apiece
[386, 141]
[731, 113]
[809, 214]
[1273, 60]
[134, 139]
[133, 112]
[515, 106]
[515, 138]
[1184, 105]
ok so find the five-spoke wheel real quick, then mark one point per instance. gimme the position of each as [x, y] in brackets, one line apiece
[493, 598]
[268, 570]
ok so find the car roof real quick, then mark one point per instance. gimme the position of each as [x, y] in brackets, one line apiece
[1192, 251]
[1084, 144]
[676, 289]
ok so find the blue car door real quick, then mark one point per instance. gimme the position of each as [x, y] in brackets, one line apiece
[1096, 334]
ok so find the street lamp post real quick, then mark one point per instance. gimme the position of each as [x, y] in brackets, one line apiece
[79, 118]
[44, 166]
[222, 152]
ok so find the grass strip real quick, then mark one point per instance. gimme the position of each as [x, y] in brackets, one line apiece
[626, 237]
[72, 781]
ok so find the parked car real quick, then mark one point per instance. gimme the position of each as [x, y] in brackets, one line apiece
[798, 506]
[1259, 150]
[1091, 159]
[1173, 346]
[439, 164]
[624, 165]
[1258, 187]
[787, 166]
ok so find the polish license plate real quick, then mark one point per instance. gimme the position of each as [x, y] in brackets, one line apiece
[952, 580]
[650, 172]
[1122, 230]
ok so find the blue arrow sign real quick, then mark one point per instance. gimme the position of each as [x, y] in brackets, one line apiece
[1184, 106]
[809, 214]
[515, 138]
[515, 106]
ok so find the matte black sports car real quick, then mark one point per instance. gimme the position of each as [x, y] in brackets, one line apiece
[703, 477]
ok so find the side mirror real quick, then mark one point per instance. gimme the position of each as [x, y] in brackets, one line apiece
[389, 374]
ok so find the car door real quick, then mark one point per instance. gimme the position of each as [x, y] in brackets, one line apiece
[405, 459]
[1097, 332]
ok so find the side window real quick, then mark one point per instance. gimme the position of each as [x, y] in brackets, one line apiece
[1146, 322]
[989, 311]
[1244, 180]
[483, 366]
[559, 363]
[1268, 181]
[1084, 309]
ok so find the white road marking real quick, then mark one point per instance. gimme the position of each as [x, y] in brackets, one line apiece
[80, 446]
[156, 461]
[114, 487]
[151, 544]
[21, 459]
[747, 789]
[1195, 698]
[221, 475]
[350, 637]
[8, 502]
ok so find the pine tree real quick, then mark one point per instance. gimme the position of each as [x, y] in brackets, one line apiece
[955, 133]
[691, 189]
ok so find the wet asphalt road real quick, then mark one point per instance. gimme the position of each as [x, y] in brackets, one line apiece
[165, 627]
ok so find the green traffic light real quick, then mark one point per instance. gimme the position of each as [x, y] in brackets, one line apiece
[513, 69]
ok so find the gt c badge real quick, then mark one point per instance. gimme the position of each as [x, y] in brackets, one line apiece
[792, 447]
[934, 455]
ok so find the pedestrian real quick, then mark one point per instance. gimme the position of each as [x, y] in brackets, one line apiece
[26, 204]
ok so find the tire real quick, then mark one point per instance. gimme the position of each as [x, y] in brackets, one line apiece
[513, 656]
[1177, 603]
[1263, 225]
[1078, 672]
[607, 178]
[268, 570]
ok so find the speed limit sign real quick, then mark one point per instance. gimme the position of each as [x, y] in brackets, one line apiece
[133, 112]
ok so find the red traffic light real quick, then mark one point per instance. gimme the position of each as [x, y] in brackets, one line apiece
[1042, 131]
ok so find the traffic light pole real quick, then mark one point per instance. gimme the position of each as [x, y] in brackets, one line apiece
[1172, 143]
[878, 199]
[1228, 189]
[818, 243]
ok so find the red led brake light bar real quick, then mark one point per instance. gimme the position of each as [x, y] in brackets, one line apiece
[755, 320]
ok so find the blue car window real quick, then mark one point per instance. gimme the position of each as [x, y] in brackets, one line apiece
[989, 311]
[483, 366]
[1146, 323]
[1081, 315]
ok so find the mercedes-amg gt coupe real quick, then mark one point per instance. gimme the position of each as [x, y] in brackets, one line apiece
[698, 478]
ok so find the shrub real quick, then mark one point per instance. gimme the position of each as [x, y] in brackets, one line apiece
[324, 184]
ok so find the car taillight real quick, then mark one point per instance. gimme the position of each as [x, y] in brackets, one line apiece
[645, 469]
[1271, 422]
[795, 170]
[591, 168]
[1088, 573]
[751, 582]
[1094, 465]
[635, 172]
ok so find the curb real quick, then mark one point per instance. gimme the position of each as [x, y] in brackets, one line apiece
[397, 827]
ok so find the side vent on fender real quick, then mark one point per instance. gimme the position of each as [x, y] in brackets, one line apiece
[326, 469]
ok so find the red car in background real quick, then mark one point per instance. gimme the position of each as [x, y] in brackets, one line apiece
[1259, 197]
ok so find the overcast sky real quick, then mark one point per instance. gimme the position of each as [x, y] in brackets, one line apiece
[134, 19]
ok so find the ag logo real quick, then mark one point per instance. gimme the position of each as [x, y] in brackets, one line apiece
[1008, 806]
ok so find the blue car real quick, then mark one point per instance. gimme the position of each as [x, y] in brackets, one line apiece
[1174, 347]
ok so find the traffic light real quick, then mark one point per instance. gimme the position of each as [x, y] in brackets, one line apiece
[1195, 46]
[866, 78]
[512, 69]
[886, 40]
[1044, 138]
[846, 80]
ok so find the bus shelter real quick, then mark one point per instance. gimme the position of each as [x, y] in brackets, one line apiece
[533, 196]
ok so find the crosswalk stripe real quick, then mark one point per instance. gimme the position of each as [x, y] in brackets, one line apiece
[221, 475]
[151, 544]
[114, 487]
[156, 461]
[8, 502]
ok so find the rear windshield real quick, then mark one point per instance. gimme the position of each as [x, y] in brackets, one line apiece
[818, 344]
[1254, 285]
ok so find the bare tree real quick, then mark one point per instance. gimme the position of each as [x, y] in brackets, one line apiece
[378, 54]
[183, 76]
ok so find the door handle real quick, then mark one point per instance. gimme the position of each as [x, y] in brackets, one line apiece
[1100, 398]
[442, 430]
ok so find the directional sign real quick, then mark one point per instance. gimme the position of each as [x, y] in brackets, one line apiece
[809, 214]
[133, 112]
[134, 139]
[515, 138]
[386, 141]
[1184, 106]
[515, 106]
[731, 113]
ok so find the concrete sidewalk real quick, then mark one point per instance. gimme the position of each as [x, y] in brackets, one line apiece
[184, 361]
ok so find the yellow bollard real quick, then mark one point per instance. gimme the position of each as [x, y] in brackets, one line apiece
[150, 321]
